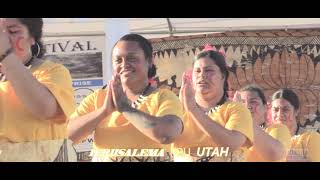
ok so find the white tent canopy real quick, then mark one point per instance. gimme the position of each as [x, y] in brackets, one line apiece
[165, 27]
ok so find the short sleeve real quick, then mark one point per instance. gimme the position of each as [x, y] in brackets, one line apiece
[87, 105]
[58, 81]
[169, 104]
[313, 147]
[281, 133]
[240, 120]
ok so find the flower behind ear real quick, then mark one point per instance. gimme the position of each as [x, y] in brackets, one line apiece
[153, 82]
[208, 47]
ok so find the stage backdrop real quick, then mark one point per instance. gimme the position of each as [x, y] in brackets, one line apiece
[270, 59]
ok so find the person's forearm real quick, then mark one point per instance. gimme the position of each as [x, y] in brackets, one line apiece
[268, 147]
[160, 129]
[34, 96]
[219, 134]
[81, 127]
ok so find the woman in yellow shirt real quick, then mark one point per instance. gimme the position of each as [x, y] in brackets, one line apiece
[129, 118]
[305, 145]
[36, 96]
[215, 128]
[271, 143]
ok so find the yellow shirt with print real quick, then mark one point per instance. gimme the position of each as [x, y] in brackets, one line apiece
[305, 146]
[116, 132]
[232, 116]
[17, 124]
[279, 132]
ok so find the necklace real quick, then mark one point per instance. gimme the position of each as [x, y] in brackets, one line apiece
[216, 107]
[263, 125]
[141, 97]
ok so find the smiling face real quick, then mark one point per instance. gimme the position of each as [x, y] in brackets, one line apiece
[283, 112]
[207, 77]
[129, 61]
[20, 37]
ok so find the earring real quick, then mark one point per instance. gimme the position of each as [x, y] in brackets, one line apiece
[38, 47]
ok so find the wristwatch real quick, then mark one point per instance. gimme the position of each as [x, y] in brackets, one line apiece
[3, 56]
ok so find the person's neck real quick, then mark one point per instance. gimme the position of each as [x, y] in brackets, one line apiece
[293, 129]
[134, 91]
[260, 121]
[26, 58]
[206, 102]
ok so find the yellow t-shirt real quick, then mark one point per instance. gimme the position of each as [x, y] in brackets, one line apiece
[232, 116]
[305, 146]
[17, 124]
[116, 132]
[279, 132]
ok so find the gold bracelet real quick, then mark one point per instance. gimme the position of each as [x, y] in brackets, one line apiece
[8, 51]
